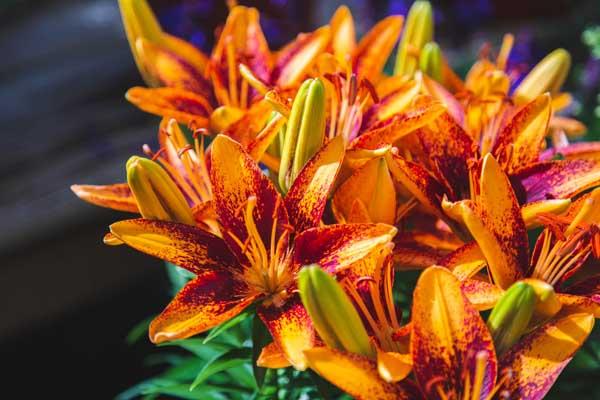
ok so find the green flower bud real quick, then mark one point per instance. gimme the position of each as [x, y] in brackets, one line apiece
[547, 76]
[155, 193]
[305, 131]
[511, 315]
[332, 312]
[417, 32]
[430, 61]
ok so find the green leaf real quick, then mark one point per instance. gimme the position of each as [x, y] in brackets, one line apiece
[228, 324]
[222, 362]
[178, 277]
[260, 338]
[138, 331]
[197, 346]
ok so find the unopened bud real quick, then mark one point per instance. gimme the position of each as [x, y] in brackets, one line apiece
[511, 315]
[547, 76]
[333, 315]
[305, 131]
[417, 32]
[430, 61]
[155, 193]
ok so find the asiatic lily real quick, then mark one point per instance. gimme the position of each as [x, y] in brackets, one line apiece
[217, 91]
[453, 352]
[265, 240]
[566, 244]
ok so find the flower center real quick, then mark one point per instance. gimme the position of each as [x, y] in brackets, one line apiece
[268, 270]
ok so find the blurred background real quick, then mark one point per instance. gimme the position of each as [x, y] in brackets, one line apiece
[67, 302]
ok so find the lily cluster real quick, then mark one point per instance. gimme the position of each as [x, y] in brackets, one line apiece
[299, 181]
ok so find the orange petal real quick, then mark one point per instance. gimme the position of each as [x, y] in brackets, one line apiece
[306, 199]
[260, 144]
[371, 185]
[495, 222]
[419, 182]
[236, 178]
[295, 59]
[393, 103]
[537, 359]
[271, 356]
[180, 244]
[170, 69]
[556, 179]
[356, 375]
[375, 47]
[343, 36]
[187, 51]
[449, 149]
[410, 252]
[291, 329]
[482, 295]
[245, 129]
[186, 107]
[574, 303]
[447, 335]
[439, 92]
[574, 151]
[522, 139]
[117, 196]
[393, 367]
[213, 297]
[336, 247]
[389, 131]
[465, 262]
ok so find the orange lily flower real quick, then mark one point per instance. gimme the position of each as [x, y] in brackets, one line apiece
[564, 247]
[265, 240]
[453, 352]
[219, 90]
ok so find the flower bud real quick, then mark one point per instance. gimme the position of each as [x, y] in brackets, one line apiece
[547, 76]
[140, 22]
[333, 315]
[155, 193]
[305, 131]
[417, 32]
[511, 315]
[430, 61]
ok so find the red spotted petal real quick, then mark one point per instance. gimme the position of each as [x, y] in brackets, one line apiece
[180, 244]
[213, 297]
[556, 179]
[117, 196]
[574, 151]
[335, 247]
[447, 335]
[236, 178]
[291, 328]
[306, 199]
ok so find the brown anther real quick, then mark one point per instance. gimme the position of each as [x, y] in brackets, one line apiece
[371, 89]
[352, 89]
[184, 149]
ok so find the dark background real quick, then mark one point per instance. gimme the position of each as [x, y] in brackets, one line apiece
[67, 301]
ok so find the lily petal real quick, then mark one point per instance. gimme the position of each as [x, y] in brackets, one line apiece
[356, 375]
[336, 247]
[574, 151]
[117, 196]
[495, 222]
[170, 69]
[447, 334]
[183, 245]
[291, 329]
[213, 297]
[537, 359]
[271, 356]
[236, 178]
[294, 59]
[389, 131]
[556, 179]
[482, 295]
[393, 367]
[392, 103]
[306, 199]
[185, 106]
[343, 36]
[439, 92]
[465, 262]
[375, 47]
[574, 303]
[522, 139]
